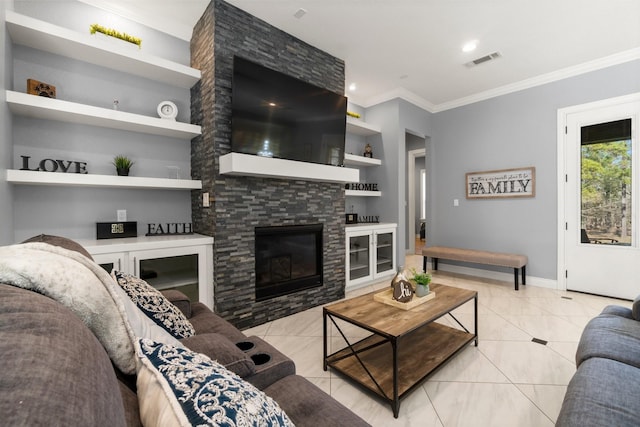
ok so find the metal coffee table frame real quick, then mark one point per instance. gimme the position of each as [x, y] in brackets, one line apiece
[416, 352]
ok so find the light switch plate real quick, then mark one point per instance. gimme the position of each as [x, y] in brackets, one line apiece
[122, 215]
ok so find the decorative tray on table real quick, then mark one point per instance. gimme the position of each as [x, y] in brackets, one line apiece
[386, 297]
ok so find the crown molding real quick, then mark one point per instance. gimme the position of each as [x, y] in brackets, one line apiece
[401, 93]
[598, 64]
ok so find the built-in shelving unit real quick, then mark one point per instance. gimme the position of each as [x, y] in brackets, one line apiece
[41, 35]
[358, 127]
[26, 177]
[64, 111]
[47, 37]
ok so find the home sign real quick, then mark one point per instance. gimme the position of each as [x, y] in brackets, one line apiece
[51, 165]
[361, 186]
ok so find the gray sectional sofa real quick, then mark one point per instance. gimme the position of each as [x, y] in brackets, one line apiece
[605, 390]
[56, 372]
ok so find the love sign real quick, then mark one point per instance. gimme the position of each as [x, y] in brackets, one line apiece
[51, 165]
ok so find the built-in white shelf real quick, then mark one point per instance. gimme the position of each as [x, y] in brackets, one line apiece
[93, 180]
[268, 167]
[353, 160]
[64, 111]
[42, 35]
[358, 127]
[362, 193]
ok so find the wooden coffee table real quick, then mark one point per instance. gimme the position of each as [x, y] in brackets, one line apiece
[405, 346]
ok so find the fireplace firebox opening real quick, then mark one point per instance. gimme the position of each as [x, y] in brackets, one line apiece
[288, 259]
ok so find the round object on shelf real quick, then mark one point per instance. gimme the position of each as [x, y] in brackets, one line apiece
[167, 110]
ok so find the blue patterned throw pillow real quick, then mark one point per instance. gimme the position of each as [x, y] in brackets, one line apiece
[154, 305]
[177, 386]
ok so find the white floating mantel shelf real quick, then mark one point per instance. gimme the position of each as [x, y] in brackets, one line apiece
[239, 164]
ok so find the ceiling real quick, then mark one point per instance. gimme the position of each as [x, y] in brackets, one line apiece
[413, 48]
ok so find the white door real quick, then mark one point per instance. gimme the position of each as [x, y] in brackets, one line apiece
[601, 200]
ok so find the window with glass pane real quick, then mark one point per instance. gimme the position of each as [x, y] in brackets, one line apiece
[605, 168]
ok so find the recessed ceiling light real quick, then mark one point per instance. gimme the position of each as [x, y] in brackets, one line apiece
[470, 46]
[300, 13]
[352, 87]
[404, 76]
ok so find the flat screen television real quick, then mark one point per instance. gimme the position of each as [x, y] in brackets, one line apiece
[276, 115]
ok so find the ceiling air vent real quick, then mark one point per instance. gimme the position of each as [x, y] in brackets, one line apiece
[486, 58]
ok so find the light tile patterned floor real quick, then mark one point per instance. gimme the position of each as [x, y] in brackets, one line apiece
[507, 380]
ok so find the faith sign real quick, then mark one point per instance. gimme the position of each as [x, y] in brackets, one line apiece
[501, 184]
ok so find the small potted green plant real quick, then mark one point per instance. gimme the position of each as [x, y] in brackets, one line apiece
[421, 281]
[122, 164]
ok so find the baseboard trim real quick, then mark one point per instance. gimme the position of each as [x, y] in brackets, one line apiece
[496, 275]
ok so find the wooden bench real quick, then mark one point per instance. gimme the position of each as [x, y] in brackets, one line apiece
[514, 261]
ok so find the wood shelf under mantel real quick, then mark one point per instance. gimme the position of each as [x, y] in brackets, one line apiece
[70, 112]
[25, 177]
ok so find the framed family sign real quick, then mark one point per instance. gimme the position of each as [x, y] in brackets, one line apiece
[500, 184]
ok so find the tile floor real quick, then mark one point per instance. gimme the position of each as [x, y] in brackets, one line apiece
[507, 380]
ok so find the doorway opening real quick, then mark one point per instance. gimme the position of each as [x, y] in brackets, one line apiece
[416, 193]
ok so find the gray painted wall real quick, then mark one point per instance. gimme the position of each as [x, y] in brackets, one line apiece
[510, 131]
[73, 212]
[6, 149]
[395, 118]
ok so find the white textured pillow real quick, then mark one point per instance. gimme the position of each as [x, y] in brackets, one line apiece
[178, 387]
[154, 305]
[86, 289]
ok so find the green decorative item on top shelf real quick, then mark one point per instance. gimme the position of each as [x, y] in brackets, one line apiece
[122, 164]
[96, 28]
[422, 281]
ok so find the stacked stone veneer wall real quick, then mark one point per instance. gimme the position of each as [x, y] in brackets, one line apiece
[239, 204]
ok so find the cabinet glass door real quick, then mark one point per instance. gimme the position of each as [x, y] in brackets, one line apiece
[172, 272]
[384, 252]
[110, 262]
[359, 257]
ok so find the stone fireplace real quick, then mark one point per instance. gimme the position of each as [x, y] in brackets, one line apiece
[242, 204]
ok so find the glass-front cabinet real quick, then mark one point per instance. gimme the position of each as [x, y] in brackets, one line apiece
[371, 253]
[183, 263]
[359, 255]
[384, 251]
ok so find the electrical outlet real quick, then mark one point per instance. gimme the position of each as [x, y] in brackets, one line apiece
[122, 215]
[205, 200]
